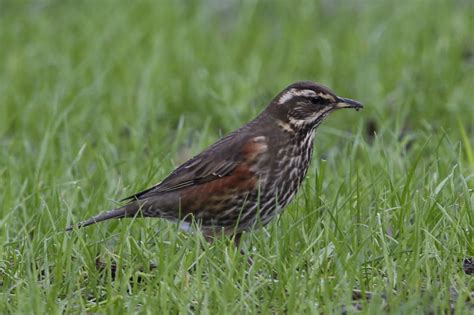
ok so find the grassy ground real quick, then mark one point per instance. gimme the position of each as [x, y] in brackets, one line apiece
[99, 99]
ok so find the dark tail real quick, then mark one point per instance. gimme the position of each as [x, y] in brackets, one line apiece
[129, 210]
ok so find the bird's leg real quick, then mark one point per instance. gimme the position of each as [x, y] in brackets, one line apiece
[237, 238]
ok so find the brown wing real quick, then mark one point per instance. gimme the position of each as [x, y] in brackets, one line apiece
[218, 161]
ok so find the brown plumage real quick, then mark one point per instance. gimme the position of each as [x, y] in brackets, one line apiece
[246, 178]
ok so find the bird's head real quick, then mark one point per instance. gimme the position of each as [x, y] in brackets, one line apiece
[306, 104]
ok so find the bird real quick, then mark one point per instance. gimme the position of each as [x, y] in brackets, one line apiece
[246, 178]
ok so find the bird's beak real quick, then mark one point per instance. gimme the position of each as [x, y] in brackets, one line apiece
[347, 103]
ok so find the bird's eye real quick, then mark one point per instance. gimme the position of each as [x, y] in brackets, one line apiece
[315, 100]
[320, 100]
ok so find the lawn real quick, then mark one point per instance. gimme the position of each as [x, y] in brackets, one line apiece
[100, 99]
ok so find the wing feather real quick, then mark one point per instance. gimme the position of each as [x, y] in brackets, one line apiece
[209, 165]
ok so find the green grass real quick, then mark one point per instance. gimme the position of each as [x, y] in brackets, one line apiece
[99, 99]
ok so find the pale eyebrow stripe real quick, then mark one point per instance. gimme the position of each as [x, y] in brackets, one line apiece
[288, 95]
[326, 96]
[285, 97]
